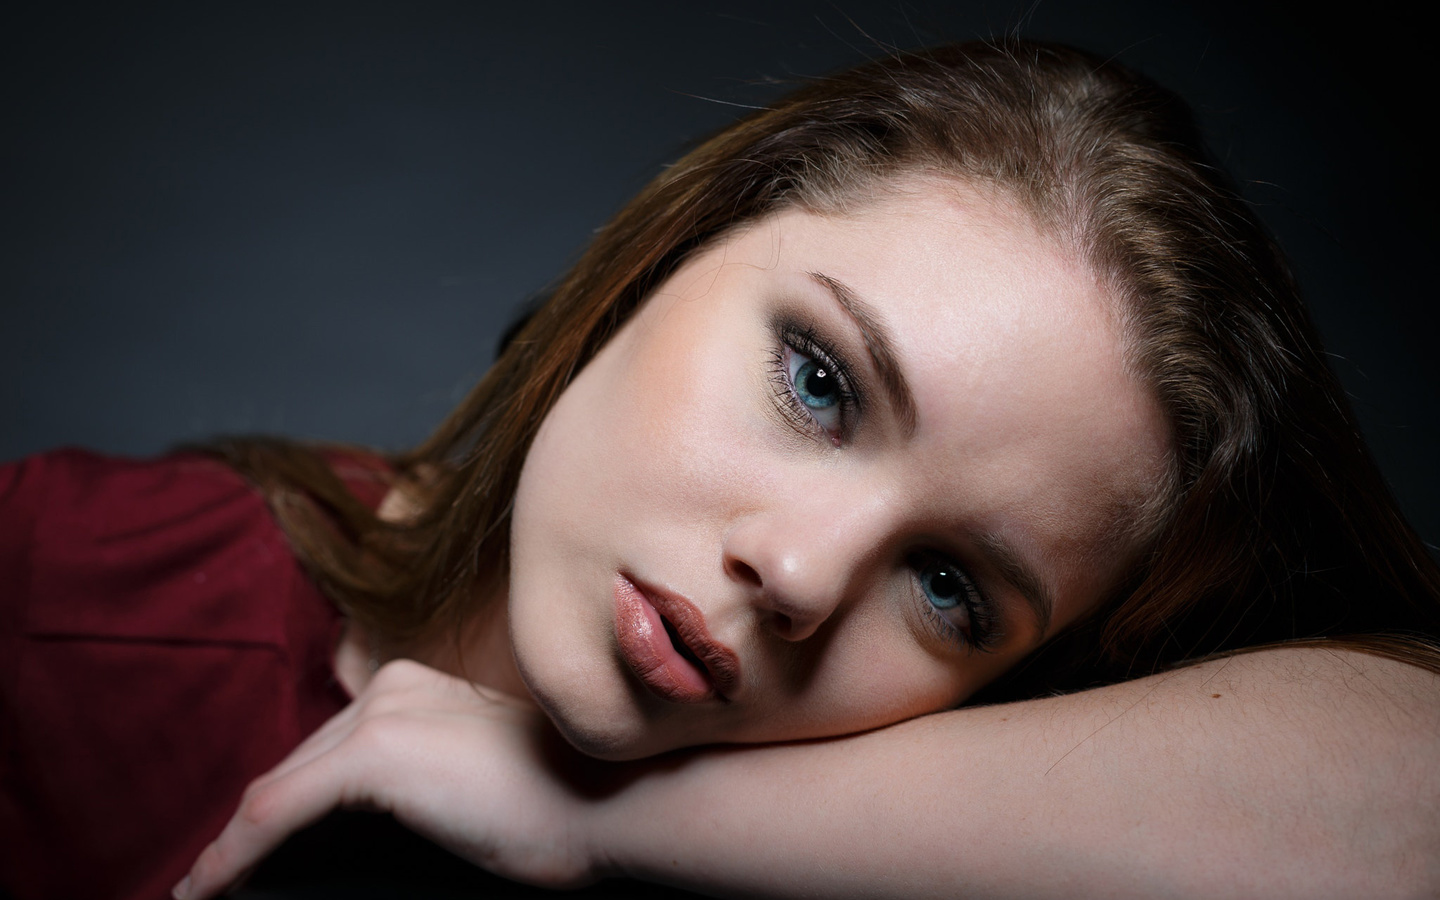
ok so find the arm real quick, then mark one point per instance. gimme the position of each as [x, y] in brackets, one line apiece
[1311, 774]
[1304, 773]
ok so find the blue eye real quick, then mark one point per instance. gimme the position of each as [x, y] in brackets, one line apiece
[944, 585]
[954, 605]
[817, 388]
[815, 384]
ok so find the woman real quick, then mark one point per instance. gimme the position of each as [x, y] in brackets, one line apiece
[1122, 445]
[1226, 523]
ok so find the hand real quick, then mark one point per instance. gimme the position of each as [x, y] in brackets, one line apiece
[478, 772]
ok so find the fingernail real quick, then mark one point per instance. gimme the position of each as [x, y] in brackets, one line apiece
[181, 890]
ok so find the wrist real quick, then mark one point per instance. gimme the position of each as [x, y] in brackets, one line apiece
[639, 825]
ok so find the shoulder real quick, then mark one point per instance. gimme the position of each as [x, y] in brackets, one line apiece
[73, 495]
[108, 490]
[1330, 749]
[1286, 771]
[167, 548]
[1314, 679]
[160, 646]
[1331, 699]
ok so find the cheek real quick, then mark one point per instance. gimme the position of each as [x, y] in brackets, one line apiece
[691, 409]
[656, 439]
[571, 477]
[874, 672]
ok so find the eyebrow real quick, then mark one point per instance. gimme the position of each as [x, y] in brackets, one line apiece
[880, 348]
[1014, 569]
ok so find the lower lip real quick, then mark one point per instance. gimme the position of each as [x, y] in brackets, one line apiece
[649, 653]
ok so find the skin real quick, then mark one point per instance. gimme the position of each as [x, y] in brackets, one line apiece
[673, 457]
[1304, 773]
[1301, 772]
[676, 459]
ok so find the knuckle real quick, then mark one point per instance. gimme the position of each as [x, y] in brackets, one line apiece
[386, 705]
[251, 789]
[395, 674]
[258, 806]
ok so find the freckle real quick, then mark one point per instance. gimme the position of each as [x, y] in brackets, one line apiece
[1216, 696]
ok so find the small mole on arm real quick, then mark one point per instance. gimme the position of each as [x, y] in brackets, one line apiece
[1216, 696]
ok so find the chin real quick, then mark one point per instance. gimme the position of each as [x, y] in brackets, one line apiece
[608, 728]
[615, 738]
[604, 744]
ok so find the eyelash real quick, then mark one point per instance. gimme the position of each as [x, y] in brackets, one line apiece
[803, 340]
[983, 631]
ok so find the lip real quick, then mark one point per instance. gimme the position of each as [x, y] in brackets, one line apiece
[641, 612]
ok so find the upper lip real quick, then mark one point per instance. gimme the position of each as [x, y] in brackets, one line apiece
[721, 663]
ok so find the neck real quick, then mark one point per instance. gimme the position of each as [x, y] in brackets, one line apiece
[480, 652]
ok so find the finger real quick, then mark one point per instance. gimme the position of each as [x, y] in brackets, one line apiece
[392, 690]
[268, 814]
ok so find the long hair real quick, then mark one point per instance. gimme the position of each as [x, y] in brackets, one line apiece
[1276, 524]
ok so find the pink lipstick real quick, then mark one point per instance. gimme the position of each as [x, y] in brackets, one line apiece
[666, 644]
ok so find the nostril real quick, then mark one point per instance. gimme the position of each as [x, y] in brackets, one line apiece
[781, 624]
[745, 572]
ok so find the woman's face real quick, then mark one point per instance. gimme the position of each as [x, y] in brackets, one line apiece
[838, 471]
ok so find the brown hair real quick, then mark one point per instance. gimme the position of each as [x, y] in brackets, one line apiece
[1278, 525]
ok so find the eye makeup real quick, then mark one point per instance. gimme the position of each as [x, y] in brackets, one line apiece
[816, 390]
[952, 603]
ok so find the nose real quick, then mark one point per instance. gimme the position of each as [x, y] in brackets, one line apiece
[800, 565]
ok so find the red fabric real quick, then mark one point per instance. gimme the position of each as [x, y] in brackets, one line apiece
[159, 648]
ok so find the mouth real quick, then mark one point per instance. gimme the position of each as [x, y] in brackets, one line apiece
[664, 640]
[680, 646]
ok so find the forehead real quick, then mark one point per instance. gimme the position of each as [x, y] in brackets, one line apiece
[952, 253]
[1030, 424]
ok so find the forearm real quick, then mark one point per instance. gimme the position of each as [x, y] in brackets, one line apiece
[1302, 773]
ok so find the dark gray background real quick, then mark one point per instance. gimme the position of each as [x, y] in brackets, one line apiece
[313, 219]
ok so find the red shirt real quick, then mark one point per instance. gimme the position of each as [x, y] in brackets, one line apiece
[159, 648]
